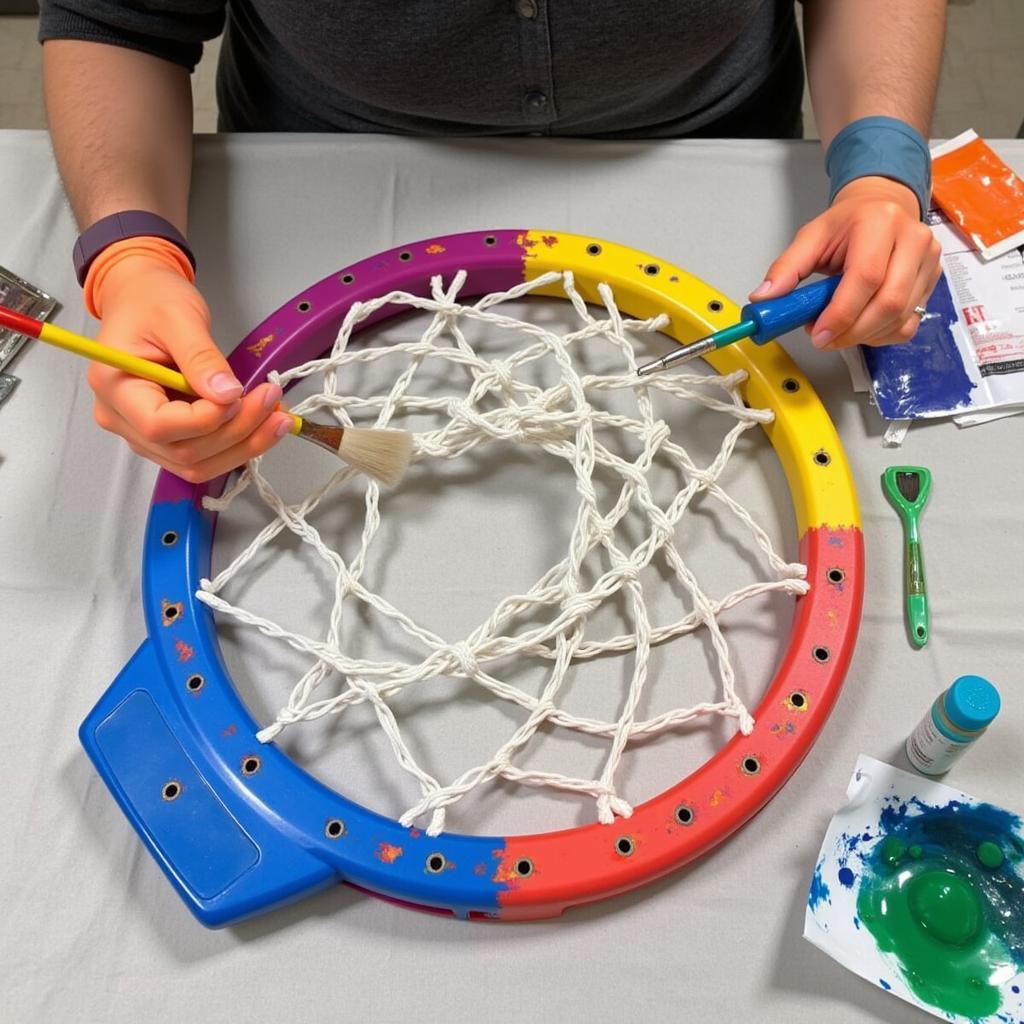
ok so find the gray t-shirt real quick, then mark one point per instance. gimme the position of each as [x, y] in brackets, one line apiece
[609, 68]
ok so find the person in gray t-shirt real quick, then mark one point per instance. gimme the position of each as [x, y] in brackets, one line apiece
[117, 89]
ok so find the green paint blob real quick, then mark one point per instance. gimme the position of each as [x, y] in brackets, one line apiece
[945, 906]
[990, 855]
[915, 851]
[893, 849]
[931, 918]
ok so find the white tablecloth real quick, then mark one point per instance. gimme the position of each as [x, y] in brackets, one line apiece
[92, 931]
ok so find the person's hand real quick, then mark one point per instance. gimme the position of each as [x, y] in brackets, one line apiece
[150, 309]
[872, 232]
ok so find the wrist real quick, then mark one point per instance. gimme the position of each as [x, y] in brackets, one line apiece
[880, 147]
[874, 187]
[124, 261]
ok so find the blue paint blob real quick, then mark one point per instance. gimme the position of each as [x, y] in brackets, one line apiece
[856, 923]
[926, 375]
[819, 891]
[885, 984]
[1015, 989]
[847, 877]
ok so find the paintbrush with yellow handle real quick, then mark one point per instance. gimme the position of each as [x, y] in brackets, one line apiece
[382, 454]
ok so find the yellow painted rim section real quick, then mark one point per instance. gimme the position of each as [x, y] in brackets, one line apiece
[802, 433]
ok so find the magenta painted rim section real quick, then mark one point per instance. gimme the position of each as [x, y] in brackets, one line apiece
[305, 326]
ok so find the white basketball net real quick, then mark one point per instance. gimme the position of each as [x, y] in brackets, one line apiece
[560, 420]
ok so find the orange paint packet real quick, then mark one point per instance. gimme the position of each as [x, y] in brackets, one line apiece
[979, 194]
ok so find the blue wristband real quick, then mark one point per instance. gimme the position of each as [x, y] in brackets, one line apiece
[882, 146]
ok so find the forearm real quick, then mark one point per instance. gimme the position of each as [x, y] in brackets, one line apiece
[121, 124]
[873, 57]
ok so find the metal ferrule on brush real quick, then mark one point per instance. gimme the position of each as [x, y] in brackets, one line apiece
[325, 435]
[694, 350]
[701, 347]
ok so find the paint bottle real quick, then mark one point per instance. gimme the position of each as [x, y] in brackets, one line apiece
[957, 718]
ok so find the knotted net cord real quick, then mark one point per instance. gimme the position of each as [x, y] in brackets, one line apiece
[560, 420]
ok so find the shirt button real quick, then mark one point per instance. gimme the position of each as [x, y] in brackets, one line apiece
[526, 8]
[536, 101]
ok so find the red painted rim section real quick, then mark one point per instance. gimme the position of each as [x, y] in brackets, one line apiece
[563, 869]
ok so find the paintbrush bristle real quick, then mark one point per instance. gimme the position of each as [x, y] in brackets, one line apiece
[383, 454]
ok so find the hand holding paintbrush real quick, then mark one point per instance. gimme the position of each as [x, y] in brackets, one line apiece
[383, 454]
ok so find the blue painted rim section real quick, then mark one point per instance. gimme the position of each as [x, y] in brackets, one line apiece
[280, 807]
[971, 703]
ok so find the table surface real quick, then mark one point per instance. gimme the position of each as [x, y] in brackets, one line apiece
[91, 929]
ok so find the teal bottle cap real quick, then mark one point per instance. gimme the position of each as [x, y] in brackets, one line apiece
[971, 703]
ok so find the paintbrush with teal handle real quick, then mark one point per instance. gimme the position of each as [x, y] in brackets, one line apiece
[759, 321]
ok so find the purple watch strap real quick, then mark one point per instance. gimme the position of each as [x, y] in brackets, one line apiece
[118, 226]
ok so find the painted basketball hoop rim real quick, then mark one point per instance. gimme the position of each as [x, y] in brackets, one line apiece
[239, 828]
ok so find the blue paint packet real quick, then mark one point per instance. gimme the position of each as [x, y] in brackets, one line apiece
[927, 376]
[967, 358]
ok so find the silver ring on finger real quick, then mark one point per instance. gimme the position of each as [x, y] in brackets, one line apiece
[920, 310]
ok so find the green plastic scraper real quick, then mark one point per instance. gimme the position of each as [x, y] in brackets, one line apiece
[908, 488]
